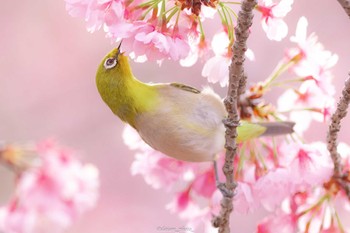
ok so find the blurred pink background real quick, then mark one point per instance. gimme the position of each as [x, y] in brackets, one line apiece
[47, 89]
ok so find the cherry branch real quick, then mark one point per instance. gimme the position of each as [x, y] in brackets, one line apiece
[236, 87]
[332, 136]
[346, 6]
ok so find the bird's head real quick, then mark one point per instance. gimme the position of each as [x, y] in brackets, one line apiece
[112, 77]
[115, 65]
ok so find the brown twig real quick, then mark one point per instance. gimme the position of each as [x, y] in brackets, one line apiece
[334, 127]
[236, 87]
[332, 135]
[346, 6]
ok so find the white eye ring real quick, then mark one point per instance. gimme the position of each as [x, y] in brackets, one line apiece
[110, 63]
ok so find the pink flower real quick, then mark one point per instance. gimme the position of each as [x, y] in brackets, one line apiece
[332, 229]
[15, 219]
[311, 60]
[133, 140]
[156, 45]
[281, 222]
[272, 14]
[216, 68]
[245, 200]
[157, 169]
[309, 164]
[344, 152]
[272, 188]
[93, 11]
[307, 103]
[44, 199]
[194, 215]
[143, 37]
[182, 201]
[144, 40]
[204, 184]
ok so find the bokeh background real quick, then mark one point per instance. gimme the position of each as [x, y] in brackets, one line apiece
[47, 89]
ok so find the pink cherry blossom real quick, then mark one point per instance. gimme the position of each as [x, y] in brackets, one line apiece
[344, 152]
[332, 229]
[156, 45]
[272, 188]
[193, 214]
[157, 169]
[307, 103]
[312, 61]
[93, 11]
[133, 140]
[309, 165]
[245, 200]
[15, 219]
[182, 200]
[204, 184]
[280, 222]
[216, 68]
[272, 14]
[45, 200]
[143, 37]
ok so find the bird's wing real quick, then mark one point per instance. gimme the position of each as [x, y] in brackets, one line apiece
[185, 87]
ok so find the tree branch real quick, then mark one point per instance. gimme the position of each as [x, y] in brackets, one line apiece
[332, 136]
[346, 6]
[236, 87]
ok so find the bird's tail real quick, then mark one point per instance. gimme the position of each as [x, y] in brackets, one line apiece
[277, 128]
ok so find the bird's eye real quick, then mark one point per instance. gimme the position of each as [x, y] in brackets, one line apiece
[110, 63]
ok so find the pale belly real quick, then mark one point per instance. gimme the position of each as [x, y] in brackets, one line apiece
[187, 127]
[183, 143]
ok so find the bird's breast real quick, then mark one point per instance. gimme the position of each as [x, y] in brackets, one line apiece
[185, 126]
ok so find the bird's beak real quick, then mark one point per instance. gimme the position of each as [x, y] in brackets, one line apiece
[119, 49]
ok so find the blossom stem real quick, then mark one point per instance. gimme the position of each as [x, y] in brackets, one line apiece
[150, 8]
[173, 10]
[241, 160]
[316, 205]
[280, 68]
[236, 74]
[201, 28]
[176, 27]
[318, 110]
[340, 225]
[260, 158]
[162, 16]
[225, 19]
[147, 4]
[222, 19]
[274, 151]
[281, 83]
[227, 11]
[232, 11]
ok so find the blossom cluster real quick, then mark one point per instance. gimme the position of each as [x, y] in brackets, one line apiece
[285, 176]
[161, 29]
[52, 190]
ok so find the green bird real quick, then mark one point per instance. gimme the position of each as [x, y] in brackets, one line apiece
[175, 119]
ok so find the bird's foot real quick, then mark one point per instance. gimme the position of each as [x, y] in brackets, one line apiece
[226, 192]
[225, 189]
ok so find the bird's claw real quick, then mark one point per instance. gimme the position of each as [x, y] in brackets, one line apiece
[224, 190]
